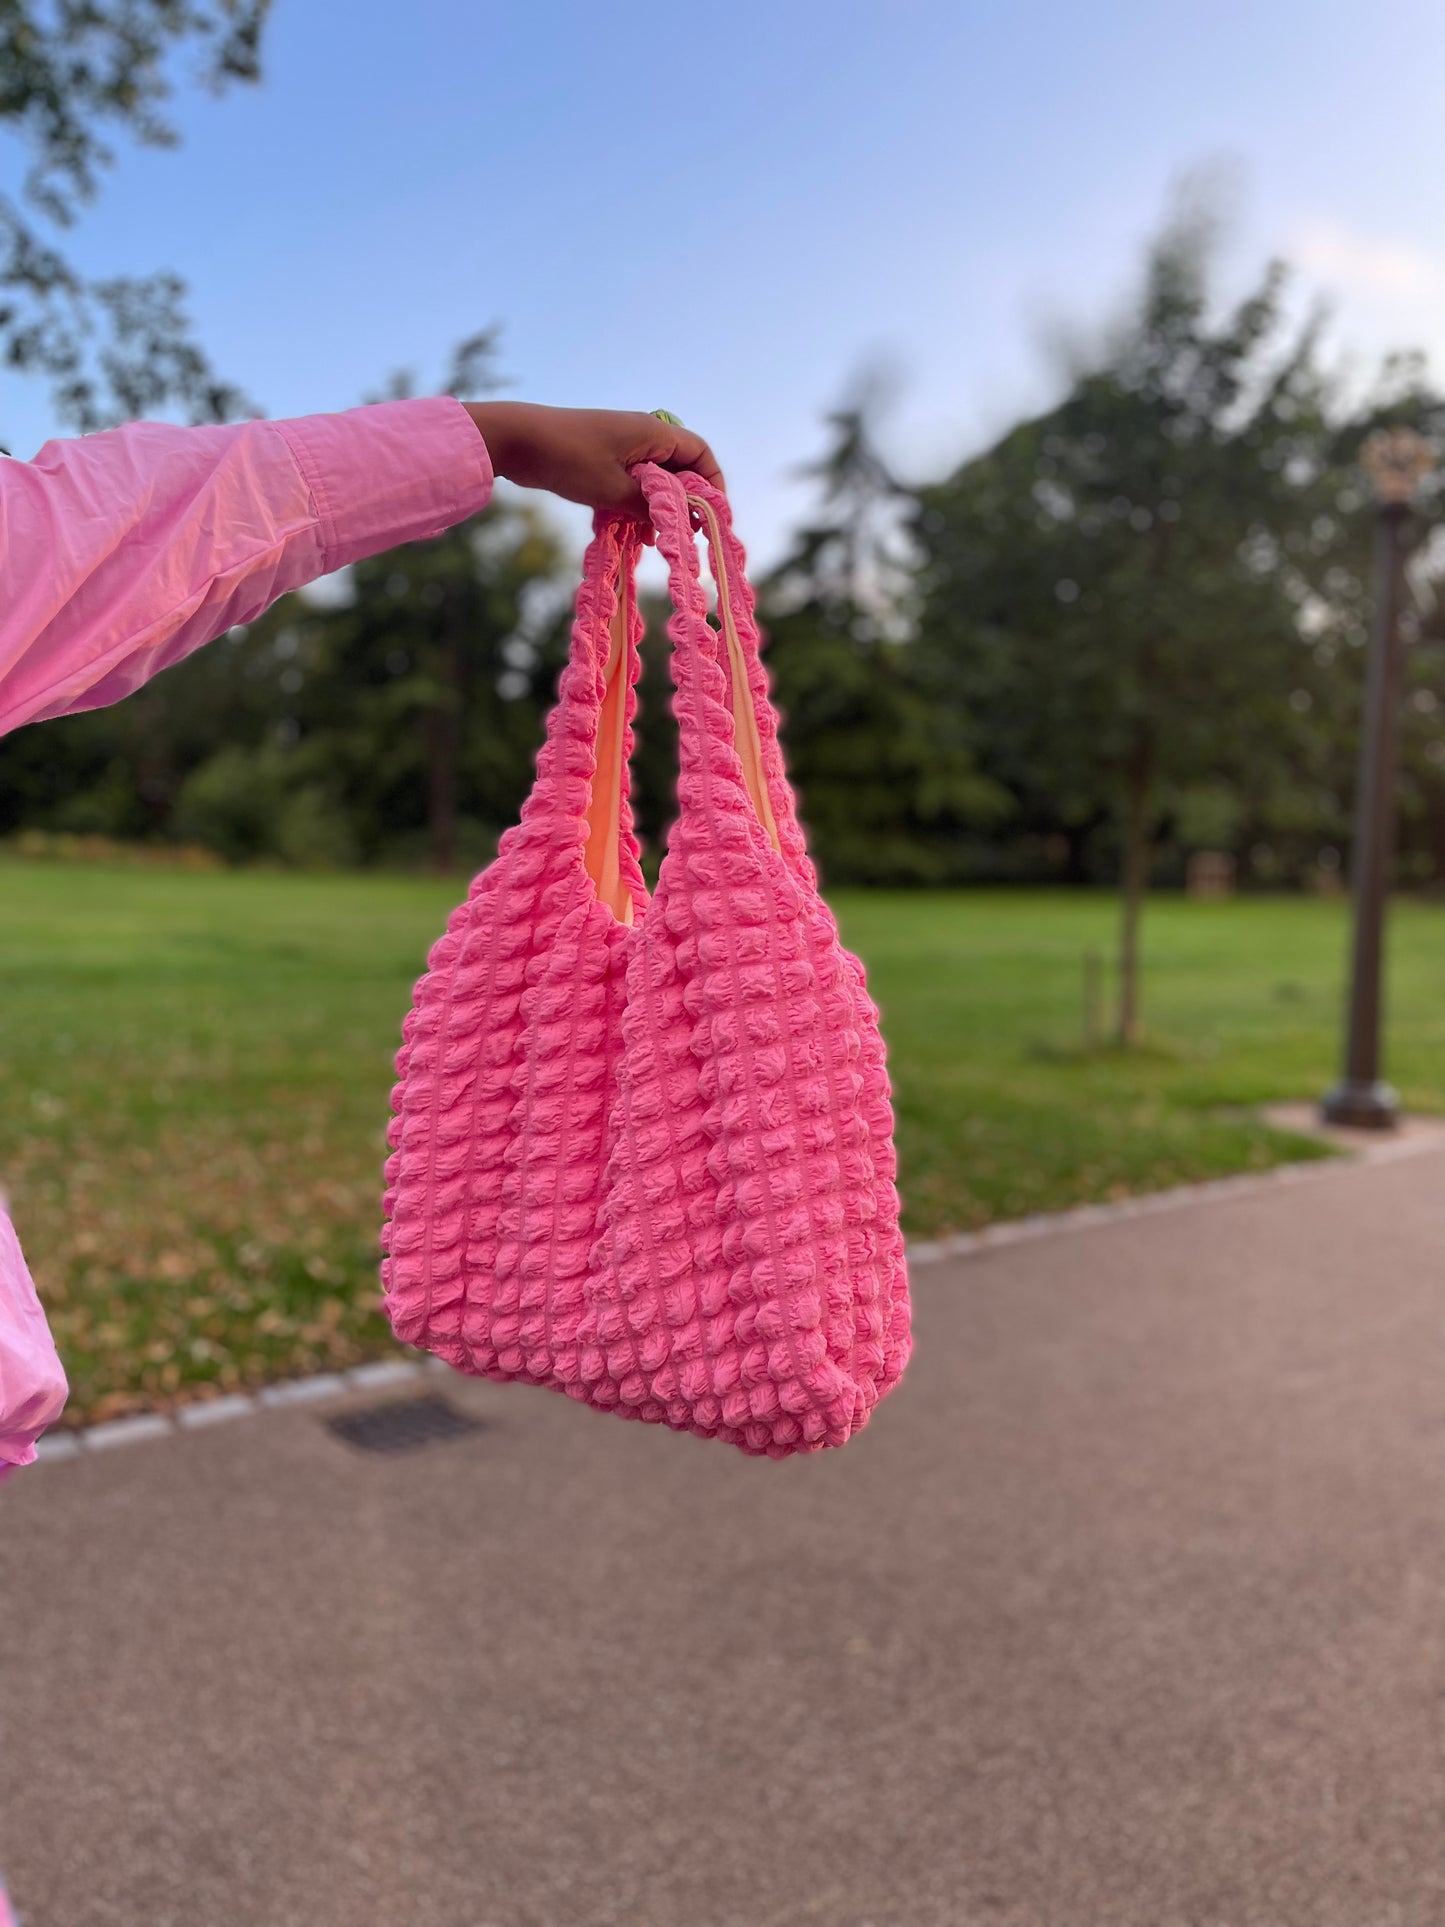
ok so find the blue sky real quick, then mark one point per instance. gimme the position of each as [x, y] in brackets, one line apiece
[729, 210]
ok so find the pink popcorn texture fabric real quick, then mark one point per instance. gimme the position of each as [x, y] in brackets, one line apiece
[643, 1149]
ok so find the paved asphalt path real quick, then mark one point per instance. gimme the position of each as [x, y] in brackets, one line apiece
[1128, 1611]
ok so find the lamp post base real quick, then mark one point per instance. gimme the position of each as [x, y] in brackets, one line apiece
[1365, 1106]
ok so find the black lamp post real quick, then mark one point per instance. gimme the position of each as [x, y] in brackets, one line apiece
[1396, 460]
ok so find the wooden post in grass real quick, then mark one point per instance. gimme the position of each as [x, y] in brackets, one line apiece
[1093, 1000]
[1137, 823]
[1397, 460]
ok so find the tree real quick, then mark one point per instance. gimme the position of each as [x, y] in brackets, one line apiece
[1113, 593]
[418, 703]
[392, 720]
[118, 347]
[887, 784]
[473, 372]
[312, 736]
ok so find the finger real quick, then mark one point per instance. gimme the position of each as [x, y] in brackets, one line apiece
[691, 451]
[634, 502]
[621, 494]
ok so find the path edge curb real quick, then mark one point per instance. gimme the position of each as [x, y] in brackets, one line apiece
[388, 1374]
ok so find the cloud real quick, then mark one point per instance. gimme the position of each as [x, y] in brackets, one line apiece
[1370, 267]
[1385, 295]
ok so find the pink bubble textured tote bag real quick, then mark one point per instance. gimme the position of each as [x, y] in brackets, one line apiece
[642, 1149]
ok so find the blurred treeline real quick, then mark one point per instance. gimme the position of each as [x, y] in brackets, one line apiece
[1131, 629]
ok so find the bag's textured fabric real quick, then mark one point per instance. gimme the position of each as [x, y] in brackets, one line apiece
[646, 1158]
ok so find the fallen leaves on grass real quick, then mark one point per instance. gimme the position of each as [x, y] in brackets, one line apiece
[198, 1264]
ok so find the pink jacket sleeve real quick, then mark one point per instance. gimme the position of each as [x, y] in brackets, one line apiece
[123, 552]
[32, 1385]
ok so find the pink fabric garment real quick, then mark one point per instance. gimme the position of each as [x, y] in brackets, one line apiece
[123, 552]
[642, 1150]
[32, 1383]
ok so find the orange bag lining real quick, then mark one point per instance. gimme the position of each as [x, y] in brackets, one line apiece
[746, 739]
[604, 809]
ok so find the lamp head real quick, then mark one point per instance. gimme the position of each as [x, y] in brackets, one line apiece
[1396, 460]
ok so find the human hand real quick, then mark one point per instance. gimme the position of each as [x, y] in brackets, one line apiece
[583, 454]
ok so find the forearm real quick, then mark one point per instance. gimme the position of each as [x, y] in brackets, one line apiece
[123, 552]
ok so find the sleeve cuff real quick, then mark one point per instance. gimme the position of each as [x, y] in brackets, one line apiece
[396, 471]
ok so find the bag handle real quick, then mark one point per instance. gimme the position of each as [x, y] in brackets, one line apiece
[583, 786]
[612, 854]
[747, 737]
[719, 675]
[728, 726]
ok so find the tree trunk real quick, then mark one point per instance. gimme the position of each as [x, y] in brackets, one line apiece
[1134, 884]
[446, 738]
[154, 786]
[1435, 833]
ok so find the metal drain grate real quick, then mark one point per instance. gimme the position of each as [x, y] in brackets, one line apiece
[403, 1424]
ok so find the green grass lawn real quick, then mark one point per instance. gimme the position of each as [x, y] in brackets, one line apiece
[196, 1070]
